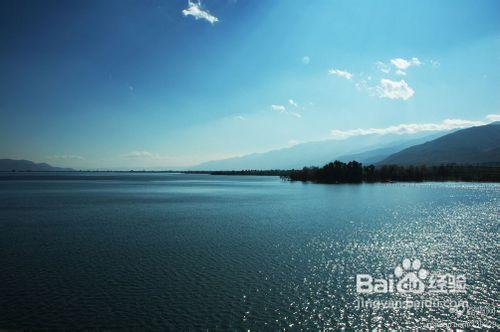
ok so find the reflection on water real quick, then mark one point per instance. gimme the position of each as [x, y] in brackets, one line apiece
[196, 251]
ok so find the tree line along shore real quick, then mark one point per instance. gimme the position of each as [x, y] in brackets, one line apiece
[355, 172]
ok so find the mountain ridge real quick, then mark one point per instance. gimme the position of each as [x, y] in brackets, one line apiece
[318, 153]
[474, 145]
[20, 165]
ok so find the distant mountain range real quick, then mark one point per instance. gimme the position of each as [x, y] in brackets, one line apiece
[475, 145]
[378, 154]
[366, 149]
[26, 165]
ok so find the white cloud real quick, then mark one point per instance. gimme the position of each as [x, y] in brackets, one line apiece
[401, 63]
[405, 64]
[279, 108]
[195, 10]
[295, 114]
[394, 89]
[293, 142]
[240, 117]
[306, 60]
[411, 128]
[415, 62]
[493, 117]
[340, 73]
[386, 88]
[293, 103]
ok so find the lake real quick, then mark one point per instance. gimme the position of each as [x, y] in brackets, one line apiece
[178, 251]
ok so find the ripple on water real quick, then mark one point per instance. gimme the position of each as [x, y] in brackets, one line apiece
[243, 254]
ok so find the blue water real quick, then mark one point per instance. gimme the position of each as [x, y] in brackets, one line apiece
[175, 251]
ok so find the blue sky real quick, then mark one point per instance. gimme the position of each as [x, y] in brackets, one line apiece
[106, 84]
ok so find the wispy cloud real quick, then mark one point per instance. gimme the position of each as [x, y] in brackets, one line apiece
[411, 128]
[435, 63]
[282, 109]
[493, 117]
[383, 67]
[293, 103]
[279, 108]
[142, 154]
[400, 65]
[240, 117]
[394, 89]
[340, 73]
[195, 10]
[404, 64]
[306, 60]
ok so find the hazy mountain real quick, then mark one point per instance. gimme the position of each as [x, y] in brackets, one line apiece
[476, 145]
[376, 155]
[26, 165]
[316, 153]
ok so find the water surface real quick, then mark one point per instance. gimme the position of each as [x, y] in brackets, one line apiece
[176, 251]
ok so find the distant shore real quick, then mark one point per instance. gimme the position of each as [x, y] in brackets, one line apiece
[338, 172]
